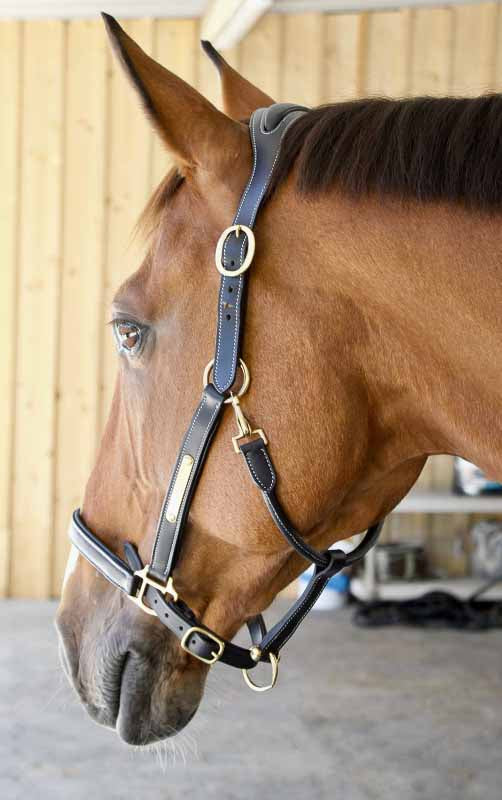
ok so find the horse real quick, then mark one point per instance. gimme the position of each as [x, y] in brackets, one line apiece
[373, 307]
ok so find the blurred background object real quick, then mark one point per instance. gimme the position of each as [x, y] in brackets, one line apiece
[487, 549]
[470, 479]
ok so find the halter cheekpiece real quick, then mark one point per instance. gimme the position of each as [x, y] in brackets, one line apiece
[151, 586]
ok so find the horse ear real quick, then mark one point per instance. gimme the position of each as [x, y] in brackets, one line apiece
[240, 97]
[190, 126]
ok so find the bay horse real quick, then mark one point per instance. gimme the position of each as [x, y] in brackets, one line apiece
[373, 309]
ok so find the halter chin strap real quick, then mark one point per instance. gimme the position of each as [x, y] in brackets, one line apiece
[151, 587]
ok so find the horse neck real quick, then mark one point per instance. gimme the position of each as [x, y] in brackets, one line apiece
[429, 281]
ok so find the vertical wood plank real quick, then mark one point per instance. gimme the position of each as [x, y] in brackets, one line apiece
[342, 70]
[129, 169]
[303, 59]
[81, 328]
[497, 80]
[432, 40]
[386, 69]
[10, 89]
[474, 49]
[40, 260]
[261, 55]
[176, 47]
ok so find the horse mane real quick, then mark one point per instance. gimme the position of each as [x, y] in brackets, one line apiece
[426, 148]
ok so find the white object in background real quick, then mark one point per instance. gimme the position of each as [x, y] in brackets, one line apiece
[336, 591]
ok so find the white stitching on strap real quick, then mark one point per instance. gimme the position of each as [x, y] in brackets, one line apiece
[290, 533]
[223, 285]
[272, 473]
[255, 121]
[255, 474]
[189, 484]
[236, 327]
[105, 556]
[291, 621]
[173, 480]
[185, 443]
[255, 162]
[265, 185]
[220, 317]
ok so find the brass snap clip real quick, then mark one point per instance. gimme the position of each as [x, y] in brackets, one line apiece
[245, 429]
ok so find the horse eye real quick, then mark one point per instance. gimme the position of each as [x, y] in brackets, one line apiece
[128, 335]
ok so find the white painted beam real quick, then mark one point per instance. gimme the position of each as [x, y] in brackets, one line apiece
[348, 6]
[234, 28]
[82, 9]
[226, 22]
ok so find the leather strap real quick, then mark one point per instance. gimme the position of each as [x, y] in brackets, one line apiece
[267, 126]
[327, 563]
[263, 474]
[195, 445]
[180, 620]
[176, 616]
[103, 559]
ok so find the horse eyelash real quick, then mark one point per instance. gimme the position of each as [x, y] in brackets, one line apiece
[125, 321]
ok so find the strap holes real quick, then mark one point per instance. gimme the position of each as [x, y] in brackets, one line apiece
[155, 602]
[166, 615]
[229, 316]
[230, 289]
[232, 263]
[180, 627]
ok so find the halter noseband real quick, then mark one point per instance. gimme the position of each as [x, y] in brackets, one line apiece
[151, 586]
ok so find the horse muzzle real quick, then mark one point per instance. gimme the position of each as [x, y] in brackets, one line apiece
[131, 679]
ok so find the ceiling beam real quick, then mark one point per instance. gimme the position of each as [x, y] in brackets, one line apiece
[226, 22]
[81, 9]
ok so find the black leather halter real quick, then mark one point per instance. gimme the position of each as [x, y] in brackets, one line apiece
[151, 586]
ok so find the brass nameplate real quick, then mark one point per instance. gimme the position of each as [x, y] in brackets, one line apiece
[179, 487]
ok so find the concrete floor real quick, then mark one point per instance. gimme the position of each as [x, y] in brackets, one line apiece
[357, 715]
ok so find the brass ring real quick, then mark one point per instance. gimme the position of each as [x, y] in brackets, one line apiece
[233, 273]
[274, 661]
[246, 378]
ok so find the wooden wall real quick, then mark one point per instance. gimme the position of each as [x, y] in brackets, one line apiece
[78, 162]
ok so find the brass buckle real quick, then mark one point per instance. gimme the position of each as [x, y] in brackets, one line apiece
[274, 662]
[233, 273]
[209, 635]
[146, 580]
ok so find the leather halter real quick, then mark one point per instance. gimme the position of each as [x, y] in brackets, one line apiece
[151, 586]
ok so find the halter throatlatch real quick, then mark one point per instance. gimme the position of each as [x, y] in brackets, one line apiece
[151, 586]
